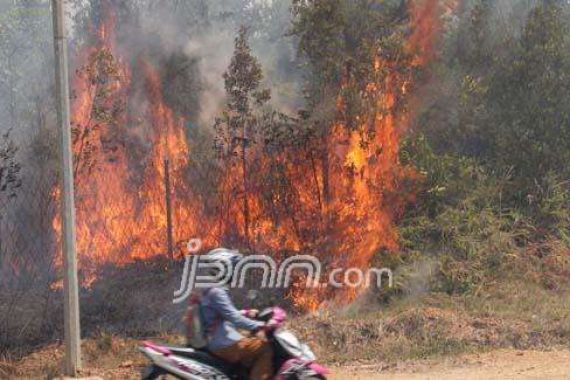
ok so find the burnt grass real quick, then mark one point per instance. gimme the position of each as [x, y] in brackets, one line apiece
[131, 300]
[134, 300]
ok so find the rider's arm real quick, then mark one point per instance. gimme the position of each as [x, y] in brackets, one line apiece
[221, 301]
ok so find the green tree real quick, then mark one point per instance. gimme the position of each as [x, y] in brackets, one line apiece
[340, 42]
[239, 126]
[529, 98]
[502, 92]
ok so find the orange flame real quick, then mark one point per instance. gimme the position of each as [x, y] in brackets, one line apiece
[367, 174]
[120, 187]
[121, 210]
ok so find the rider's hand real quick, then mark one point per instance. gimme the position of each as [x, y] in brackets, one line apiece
[250, 313]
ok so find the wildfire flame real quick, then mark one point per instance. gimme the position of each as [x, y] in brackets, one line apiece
[124, 133]
[120, 202]
[367, 176]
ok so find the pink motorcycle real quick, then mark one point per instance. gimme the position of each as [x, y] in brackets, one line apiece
[293, 359]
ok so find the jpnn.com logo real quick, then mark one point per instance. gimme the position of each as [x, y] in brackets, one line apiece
[200, 272]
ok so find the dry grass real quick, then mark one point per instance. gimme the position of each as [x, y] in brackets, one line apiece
[526, 308]
[413, 328]
[105, 355]
[515, 315]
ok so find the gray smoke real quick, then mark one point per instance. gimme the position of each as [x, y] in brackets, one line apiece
[204, 31]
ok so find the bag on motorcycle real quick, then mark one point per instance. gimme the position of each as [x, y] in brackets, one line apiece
[195, 329]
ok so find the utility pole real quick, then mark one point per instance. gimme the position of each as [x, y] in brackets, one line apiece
[70, 285]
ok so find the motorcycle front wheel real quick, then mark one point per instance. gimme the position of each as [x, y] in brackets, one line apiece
[151, 373]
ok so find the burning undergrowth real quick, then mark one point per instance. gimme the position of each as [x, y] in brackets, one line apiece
[124, 138]
[336, 194]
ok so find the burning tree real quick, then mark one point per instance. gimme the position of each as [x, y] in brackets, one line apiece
[106, 108]
[329, 182]
[239, 127]
[124, 131]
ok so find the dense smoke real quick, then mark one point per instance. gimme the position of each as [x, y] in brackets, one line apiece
[204, 32]
[201, 30]
[191, 41]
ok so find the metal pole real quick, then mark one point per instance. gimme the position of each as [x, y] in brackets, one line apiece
[169, 238]
[70, 285]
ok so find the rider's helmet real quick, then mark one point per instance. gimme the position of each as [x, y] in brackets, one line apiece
[228, 258]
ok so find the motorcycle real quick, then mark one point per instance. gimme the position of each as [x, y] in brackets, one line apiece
[292, 359]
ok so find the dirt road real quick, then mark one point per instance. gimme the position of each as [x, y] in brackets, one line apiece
[506, 364]
[502, 364]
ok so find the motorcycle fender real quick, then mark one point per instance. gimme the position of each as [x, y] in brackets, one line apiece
[183, 368]
[300, 367]
[319, 369]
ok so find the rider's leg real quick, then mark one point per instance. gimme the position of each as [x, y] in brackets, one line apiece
[254, 353]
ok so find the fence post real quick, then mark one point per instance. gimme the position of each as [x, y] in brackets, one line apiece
[169, 238]
[71, 302]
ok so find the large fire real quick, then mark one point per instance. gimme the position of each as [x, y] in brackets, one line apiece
[125, 134]
[370, 185]
[122, 144]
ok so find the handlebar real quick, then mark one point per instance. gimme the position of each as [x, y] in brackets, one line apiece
[275, 313]
[273, 317]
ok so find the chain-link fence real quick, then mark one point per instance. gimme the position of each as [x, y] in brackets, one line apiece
[127, 293]
[30, 302]
[27, 236]
[28, 239]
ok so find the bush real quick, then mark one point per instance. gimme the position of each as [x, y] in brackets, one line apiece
[472, 223]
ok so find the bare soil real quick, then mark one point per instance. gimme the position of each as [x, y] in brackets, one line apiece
[501, 364]
[123, 362]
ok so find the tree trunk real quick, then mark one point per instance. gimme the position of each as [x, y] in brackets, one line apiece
[326, 176]
[245, 190]
[317, 184]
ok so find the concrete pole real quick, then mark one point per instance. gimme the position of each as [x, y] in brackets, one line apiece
[70, 284]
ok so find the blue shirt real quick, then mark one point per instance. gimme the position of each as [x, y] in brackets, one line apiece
[222, 319]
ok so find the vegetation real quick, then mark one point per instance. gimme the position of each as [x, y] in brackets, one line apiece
[9, 168]
[240, 126]
[478, 190]
[495, 187]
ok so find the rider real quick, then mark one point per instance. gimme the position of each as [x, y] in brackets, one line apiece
[222, 321]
